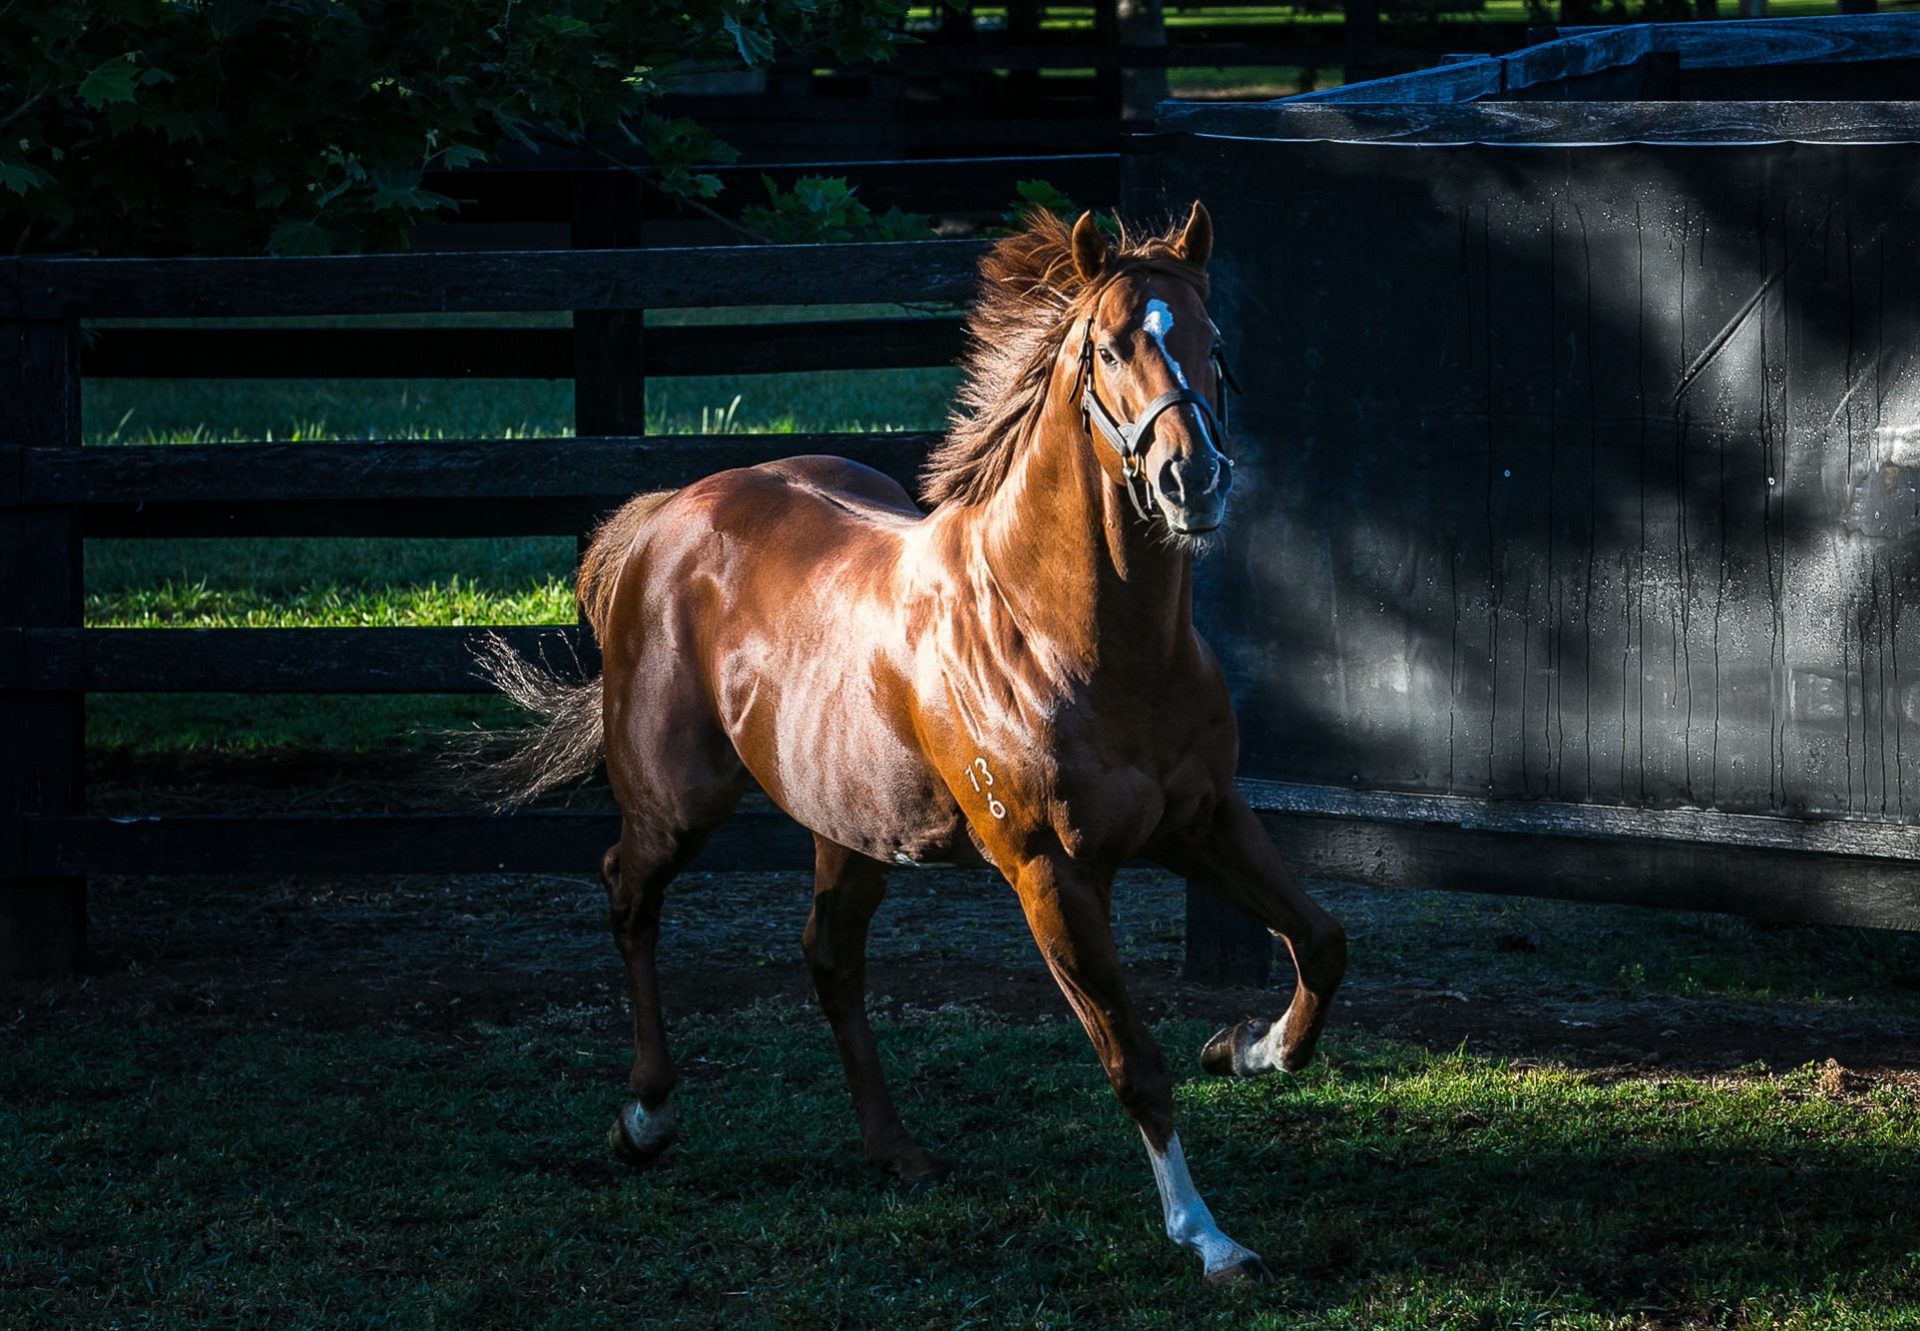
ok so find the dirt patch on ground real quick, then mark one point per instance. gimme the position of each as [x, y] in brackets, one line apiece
[1598, 987]
[438, 954]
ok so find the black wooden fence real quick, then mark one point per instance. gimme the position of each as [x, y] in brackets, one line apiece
[57, 492]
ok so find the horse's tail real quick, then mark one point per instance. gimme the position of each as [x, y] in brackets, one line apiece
[564, 741]
[607, 554]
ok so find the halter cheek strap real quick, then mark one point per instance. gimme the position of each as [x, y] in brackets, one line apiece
[1130, 438]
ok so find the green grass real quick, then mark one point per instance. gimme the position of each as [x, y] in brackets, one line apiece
[193, 1171]
[457, 600]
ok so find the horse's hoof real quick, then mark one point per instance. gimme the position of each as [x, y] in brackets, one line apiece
[1225, 1055]
[639, 1136]
[1249, 1271]
[920, 1174]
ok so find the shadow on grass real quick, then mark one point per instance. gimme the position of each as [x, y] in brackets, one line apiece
[200, 1171]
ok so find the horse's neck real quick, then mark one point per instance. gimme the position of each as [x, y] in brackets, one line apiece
[1072, 557]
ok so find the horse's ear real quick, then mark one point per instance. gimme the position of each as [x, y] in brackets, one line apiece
[1196, 239]
[1089, 248]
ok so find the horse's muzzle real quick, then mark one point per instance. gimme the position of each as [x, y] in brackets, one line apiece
[1192, 492]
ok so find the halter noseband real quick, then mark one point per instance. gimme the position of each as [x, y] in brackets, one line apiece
[1130, 438]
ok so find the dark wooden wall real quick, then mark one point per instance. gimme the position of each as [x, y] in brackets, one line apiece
[1581, 479]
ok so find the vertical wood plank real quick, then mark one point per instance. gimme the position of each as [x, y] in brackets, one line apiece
[1141, 23]
[1106, 82]
[609, 367]
[1362, 30]
[42, 734]
[609, 376]
[1225, 946]
[1023, 85]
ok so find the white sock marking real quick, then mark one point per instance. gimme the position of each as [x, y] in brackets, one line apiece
[647, 1130]
[1189, 1222]
[1264, 1054]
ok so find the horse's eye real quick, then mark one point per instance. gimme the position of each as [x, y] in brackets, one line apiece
[1107, 358]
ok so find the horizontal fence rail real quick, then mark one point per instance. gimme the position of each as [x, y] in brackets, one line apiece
[360, 660]
[500, 282]
[1841, 872]
[498, 188]
[406, 487]
[513, 353]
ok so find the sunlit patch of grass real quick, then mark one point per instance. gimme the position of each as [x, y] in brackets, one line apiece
[455, 602]
[198, 1171]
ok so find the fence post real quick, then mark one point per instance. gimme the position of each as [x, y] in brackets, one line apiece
[1225, 945]
[1023, 29]
[43, 919]
[1106, 82]
[609, 377]
[1361, 38]
[1141, 23]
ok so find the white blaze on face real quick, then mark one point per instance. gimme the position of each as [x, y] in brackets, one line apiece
[1189, 1222]
[1157, 324]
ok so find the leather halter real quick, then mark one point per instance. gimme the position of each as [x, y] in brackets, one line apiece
[1130, 438]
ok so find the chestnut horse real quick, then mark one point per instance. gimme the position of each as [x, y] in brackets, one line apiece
[1013, 677]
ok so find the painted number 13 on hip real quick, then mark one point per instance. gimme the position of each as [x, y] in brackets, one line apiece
[983, 784]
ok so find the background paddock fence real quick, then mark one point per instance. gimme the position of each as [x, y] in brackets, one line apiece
[58, 492]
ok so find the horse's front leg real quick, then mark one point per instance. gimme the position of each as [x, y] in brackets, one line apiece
[1068, 913]
[1236, 860]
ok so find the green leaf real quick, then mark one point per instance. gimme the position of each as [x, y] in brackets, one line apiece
[456, 155]
[515, 127]
[300, 238]
[178, 125]
[111, 81]
[898, 224]
[755, 45]
[20, 177]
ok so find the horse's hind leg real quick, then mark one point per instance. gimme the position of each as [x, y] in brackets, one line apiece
[847, 890]
[1238, 863]
[636, 873]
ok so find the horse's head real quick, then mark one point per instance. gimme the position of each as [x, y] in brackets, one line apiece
[1150, 375]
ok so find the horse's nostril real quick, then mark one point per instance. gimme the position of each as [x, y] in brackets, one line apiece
[1172, 484]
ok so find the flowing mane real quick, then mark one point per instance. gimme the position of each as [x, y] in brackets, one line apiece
[1030, 292]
